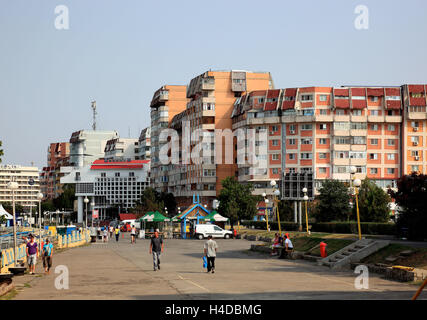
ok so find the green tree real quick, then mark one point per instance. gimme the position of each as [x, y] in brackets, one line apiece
[373, 203]
[236, 200]
[148, 202]
[286, 210]
[8, 207]
[66, 199]
[1, 151]
[333, 202]
[411, 199]
[169, 201]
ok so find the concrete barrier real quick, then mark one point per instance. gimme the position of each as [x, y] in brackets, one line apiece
[8, 260]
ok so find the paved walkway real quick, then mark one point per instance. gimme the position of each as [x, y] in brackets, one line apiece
[124, 271]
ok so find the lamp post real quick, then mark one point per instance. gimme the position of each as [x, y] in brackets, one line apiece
[86, 201]
[92, 204]
[13, 186]
[276, 194]
[304, 190]
[266, 209]
[356, 184]
[40, 197]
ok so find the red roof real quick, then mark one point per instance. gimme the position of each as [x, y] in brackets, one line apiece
[106, 165]
[127, 216]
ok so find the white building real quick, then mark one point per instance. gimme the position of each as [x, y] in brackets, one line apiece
[87, 146]
[144, 144]
[28, 181]
[108, 183]
[121, 149]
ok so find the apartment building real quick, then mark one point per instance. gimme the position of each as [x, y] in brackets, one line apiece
[121, 149]
[167, 102]
[144, 145]
[325, 130]
[28, 182]
[211, 97]
[57, 155]
[414, 137]
[87, 146]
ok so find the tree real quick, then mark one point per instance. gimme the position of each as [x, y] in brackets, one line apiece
[1, 151]
[148, 202]
[66, 199]
[236, 201]
[8, 207]
[373, 203]
[169, 201]
[333, 202]
[411, 198]
[286, 210]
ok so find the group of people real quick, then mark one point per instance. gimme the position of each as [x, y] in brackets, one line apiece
[283, 242]
[107, 233]
[32, 251]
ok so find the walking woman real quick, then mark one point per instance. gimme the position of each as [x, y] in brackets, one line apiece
[47, 256]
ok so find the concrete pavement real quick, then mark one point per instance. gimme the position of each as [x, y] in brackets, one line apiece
[124, 271]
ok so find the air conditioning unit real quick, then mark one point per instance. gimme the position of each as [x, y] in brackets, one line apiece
[415, 129]
[415, 143]
[417, 158]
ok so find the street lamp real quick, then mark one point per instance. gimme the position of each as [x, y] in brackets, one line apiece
[305, 198]
[13, 186]
[357, 183]
[276, 194]
[86, 201]
[92, 204]
[40, 197]
[57, 215]
[266, 209]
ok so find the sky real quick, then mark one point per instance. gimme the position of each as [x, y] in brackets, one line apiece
[119, 52]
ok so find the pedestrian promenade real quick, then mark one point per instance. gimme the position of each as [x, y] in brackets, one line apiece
[124, 271]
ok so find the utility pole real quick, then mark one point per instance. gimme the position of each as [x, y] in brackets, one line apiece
[94, 115]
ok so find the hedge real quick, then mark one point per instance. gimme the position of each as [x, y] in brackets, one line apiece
[369, 228]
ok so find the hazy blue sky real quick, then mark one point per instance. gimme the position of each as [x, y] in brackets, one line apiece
[120, 52]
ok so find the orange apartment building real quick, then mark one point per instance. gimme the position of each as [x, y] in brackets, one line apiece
[57, 155]
[326, 130]
[167, 102]
[211, 97]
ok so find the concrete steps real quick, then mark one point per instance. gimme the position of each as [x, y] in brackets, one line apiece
[353, 253]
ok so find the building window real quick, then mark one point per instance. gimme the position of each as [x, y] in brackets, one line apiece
[274, 157]
[292, 141]
[323, 97]
[322, 170]
[291, 156]
[391, 127]
[357, 112]
[131, 174]
[373, 170]
[323, 126]
[306, 141]
[275, 170]
[373, 156]
[390, 142]
[307, 127]
[340, 112]
[323, 155]
[390, 170]
[374, 112]
[323, 112]
[117, 174]
[306, 156]
[292, 128]
[415, 169]
[274, 128]
[391, 156]
[374, 99]
[322, 141]
[374, 127]
[275, 143]
[374, 142]
[306, 97]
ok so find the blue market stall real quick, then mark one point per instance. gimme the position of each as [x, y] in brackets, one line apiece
[195, 214]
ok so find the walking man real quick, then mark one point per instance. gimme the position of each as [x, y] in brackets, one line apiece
[47, 256]
[32, 254]
[156, 248]
[133, 234]
[210, 252]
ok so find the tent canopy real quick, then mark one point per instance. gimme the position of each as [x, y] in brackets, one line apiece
[154, 217]
[216, 217]
[3, 212]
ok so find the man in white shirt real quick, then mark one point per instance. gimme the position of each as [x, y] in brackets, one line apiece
[210, 249]
[289, 247]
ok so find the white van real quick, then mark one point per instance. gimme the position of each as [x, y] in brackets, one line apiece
[204, 230]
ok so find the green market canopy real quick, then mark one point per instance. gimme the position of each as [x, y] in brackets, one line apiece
[215, 217]
[154, 217]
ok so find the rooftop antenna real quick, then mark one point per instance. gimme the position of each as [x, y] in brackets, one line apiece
[94, 115]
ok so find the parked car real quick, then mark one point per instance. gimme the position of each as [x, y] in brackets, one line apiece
[202, 231]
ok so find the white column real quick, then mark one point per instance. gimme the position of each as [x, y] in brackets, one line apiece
[300, 213]
[80, 209]
[295, 211]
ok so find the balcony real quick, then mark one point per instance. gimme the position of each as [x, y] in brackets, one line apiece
[208, 84]
[417, 115]
[358, 118]
[393, 119]
[324, 118]
[376, 119]
[342, 118]
[358, 147]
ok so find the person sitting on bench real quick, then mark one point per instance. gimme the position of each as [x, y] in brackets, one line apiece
[276, 243]
[288, 247]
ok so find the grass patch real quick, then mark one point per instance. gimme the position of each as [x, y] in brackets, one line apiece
[27, 285]
[418, 259]
[10, 295]
[306, 244]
